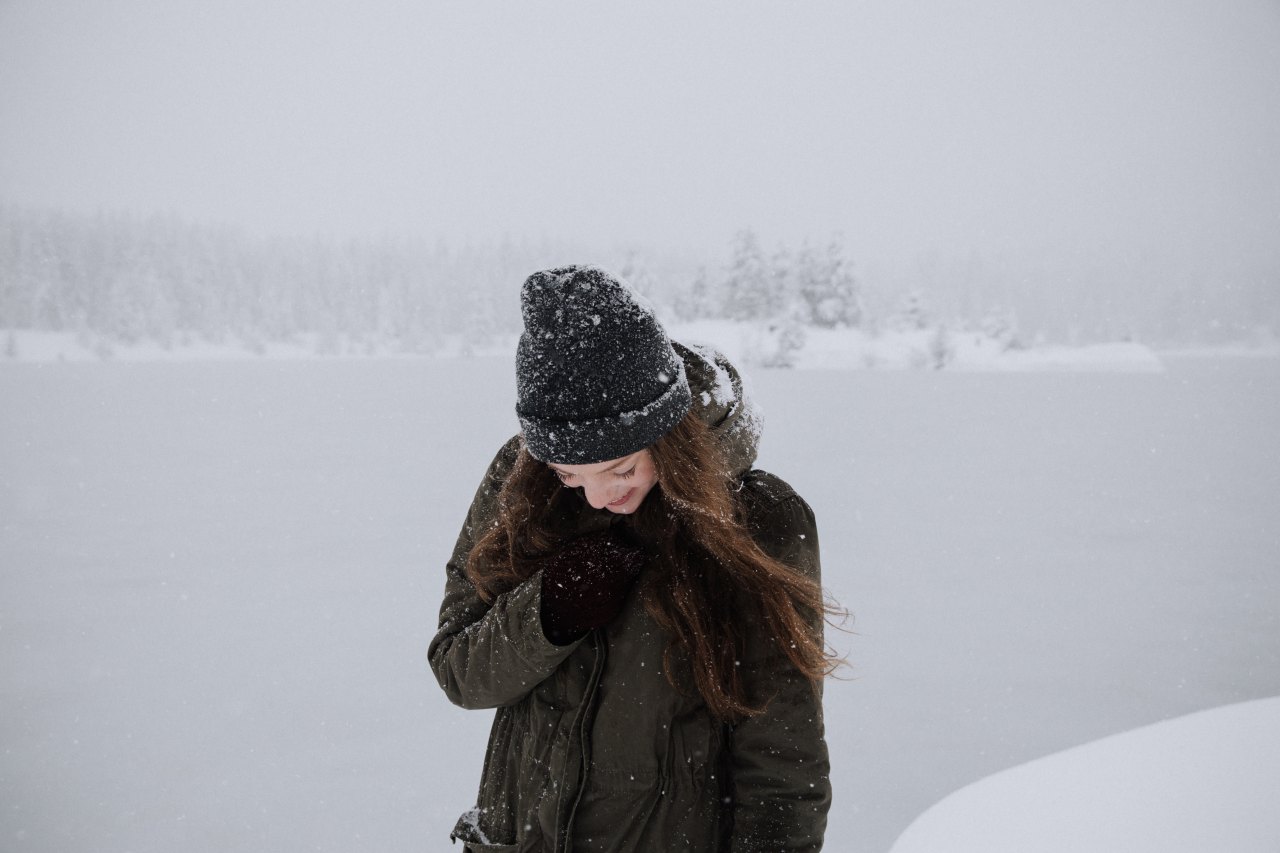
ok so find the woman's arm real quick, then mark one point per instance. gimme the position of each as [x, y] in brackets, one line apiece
[489, 654]
[781, 772]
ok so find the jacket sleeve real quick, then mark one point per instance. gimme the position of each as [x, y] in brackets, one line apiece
[490, 654]
[779, 761]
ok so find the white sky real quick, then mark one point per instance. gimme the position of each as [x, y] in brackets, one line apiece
[1115, 129]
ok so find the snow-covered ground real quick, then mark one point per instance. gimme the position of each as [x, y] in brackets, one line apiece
[749, 344]
[218, 581]
[932, 348]
[1204, 782]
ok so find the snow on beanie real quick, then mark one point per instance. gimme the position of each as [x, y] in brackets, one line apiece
[596, 376]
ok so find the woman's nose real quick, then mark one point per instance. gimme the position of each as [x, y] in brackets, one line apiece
[598, 496]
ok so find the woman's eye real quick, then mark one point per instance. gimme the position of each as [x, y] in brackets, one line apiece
[561, 476]
[626, 475]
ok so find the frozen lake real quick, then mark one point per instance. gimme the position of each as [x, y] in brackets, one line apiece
[218, 582]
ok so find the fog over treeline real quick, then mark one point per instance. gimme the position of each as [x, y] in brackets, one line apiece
[121, 278]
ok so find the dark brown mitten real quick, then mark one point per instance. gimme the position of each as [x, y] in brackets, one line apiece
[585, 583]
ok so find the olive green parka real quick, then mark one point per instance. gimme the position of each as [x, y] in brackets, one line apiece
[591, 747]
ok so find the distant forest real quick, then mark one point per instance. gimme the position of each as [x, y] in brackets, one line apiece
[120, 279]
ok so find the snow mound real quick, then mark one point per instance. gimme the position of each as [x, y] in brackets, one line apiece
[1203, 782]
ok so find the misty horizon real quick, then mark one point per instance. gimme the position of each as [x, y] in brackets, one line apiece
[1136, 142]
[121, 279]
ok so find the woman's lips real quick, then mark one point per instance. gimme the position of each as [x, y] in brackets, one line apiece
[620, 501]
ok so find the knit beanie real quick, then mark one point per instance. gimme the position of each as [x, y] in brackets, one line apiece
[596, 376]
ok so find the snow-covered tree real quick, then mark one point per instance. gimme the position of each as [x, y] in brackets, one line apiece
[748, 285]
[1001, 324]
[827, 288]
[913, 314]
[696, 301]
[788, 337]
[635, 272]
[783, 286]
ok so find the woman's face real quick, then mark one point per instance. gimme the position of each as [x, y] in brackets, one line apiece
[619, 485]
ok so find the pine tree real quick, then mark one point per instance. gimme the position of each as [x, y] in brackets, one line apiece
[914, 313]
[827, 288]
[783, 288]
[696, 302]
[748, 294]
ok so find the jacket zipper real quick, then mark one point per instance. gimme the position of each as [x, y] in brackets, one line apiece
[582, 730]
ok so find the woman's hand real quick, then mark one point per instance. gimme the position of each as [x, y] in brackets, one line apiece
[585, 583]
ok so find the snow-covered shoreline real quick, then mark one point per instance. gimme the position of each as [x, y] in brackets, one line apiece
[916, 349]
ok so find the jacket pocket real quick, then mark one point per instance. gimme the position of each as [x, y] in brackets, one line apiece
[468, 831]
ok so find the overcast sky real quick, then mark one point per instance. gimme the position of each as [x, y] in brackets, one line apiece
[1132, 127]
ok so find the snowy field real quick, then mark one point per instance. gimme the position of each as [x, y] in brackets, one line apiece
[218, 581]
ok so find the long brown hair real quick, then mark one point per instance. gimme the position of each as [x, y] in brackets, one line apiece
[707, 566]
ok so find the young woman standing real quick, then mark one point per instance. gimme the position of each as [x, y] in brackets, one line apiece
[642, 608]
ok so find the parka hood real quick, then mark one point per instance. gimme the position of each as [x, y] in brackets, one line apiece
[721, 402]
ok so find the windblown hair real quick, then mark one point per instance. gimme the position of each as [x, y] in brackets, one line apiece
[707, 567]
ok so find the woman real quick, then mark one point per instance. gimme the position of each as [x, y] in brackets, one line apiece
[643, 610]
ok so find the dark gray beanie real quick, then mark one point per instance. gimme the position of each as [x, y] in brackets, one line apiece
[596, 376]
